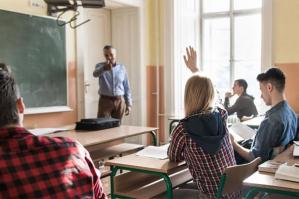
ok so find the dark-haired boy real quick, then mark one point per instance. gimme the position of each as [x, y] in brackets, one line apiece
[278, 128]
[39, 166]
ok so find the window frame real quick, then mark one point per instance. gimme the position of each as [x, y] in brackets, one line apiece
[231, 14]
[170, 50]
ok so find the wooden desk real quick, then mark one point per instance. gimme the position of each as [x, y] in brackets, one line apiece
[148, 177]
[89, 138]
[254, 122]
[265, 182]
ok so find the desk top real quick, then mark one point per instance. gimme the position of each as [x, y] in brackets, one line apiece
[88, 138]
[254, 122]
[267, 180]
[145, 163]
[287, 156]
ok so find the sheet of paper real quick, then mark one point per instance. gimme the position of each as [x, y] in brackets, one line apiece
[241, 131]
[44, 131]
[159, 152]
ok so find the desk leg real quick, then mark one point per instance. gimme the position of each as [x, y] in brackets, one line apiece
[252, 192]
[168, 186]
[114, 170]
[113, 173]
[154, 136]
[163, 175]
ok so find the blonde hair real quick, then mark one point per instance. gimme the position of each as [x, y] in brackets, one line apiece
[199, 95]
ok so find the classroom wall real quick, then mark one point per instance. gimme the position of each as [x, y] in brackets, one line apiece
[286, 45]
[50, 119]
[154, 66]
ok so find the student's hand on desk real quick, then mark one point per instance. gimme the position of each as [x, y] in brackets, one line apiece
[231, 138]
[128, 110]
[191, 59]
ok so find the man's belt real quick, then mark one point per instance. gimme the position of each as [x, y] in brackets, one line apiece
[112, 97]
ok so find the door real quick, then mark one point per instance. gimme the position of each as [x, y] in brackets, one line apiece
[97, 34]
[126, 39]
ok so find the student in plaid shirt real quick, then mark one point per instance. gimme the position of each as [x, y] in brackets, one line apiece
[37, 166]
[202, 138]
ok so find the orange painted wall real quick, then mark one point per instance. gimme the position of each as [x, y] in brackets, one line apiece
[152, 100]
[291, 71]
[286, 46]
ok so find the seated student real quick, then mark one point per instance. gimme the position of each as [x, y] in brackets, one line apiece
[244, 105]
[39, 166]
[202, 138]
[278, 128]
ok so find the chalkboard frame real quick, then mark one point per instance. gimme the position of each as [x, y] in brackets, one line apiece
[51, 109]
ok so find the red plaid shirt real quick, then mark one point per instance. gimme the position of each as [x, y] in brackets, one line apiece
[42, 167]
[205, 169]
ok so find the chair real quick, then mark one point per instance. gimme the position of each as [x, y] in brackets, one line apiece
[233, 176]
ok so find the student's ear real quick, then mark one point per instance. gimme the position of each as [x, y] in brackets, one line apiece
[269, 87]
[20, 105]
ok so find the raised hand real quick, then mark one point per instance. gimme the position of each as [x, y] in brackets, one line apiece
[191, 59]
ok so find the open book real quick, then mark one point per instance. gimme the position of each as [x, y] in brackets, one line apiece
[285, 172]
[241, 131]
[44, 131]
[159, 152]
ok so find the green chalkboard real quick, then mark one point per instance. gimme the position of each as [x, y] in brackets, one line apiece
[35, 48]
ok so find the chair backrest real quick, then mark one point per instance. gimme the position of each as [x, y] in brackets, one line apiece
[232, 179]
[297, 135]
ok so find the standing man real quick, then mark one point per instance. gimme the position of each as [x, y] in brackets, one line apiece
[279, 127]
[115, 94]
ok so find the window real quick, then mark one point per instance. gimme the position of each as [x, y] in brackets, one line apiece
[228, 42]
[231, 42]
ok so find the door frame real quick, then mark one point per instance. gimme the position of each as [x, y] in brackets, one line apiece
[80, 59]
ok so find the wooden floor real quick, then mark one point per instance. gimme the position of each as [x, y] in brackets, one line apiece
[106, 186]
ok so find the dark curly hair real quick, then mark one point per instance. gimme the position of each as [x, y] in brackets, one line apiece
[9, 96]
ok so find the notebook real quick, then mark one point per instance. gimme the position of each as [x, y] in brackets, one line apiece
[241, 131]
[296, 148]
[290, 173]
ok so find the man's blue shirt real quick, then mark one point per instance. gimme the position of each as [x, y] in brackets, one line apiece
[115, 82]
[277, 129]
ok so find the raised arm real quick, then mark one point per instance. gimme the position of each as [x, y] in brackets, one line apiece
[101, 68]
[191, 59]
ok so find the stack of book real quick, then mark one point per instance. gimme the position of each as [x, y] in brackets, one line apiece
[269, 166]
